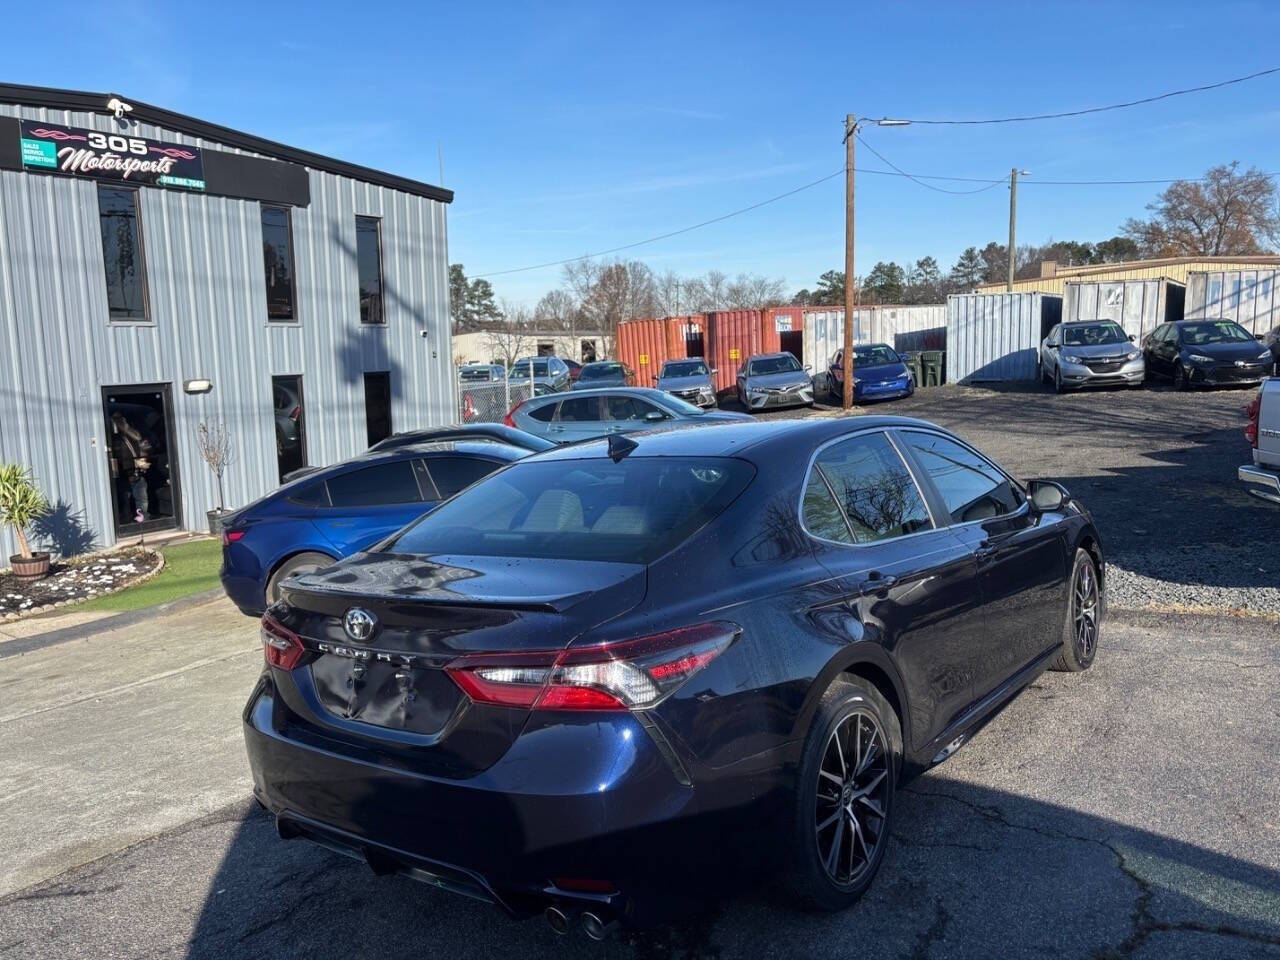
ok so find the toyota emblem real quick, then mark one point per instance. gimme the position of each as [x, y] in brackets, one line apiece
[359, 624]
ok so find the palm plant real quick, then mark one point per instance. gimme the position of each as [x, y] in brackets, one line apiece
[22, 503]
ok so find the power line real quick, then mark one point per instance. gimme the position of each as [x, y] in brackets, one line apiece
[919, 180]
[1113, 106]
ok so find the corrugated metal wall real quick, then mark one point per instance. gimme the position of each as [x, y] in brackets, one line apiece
[205, 276]
[731, 337]
[1139, 306]
[903, 327]
[1178, 269]
[1249, 297]
[995, 336]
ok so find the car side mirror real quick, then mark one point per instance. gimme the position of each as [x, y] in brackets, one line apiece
[653, 416]
[714, 371]
[1048, 495]
[1132, 338]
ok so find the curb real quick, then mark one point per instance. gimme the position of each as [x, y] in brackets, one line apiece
[50, 607]
[83, 631]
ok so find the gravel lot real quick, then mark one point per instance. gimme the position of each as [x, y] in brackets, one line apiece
[1156, 468]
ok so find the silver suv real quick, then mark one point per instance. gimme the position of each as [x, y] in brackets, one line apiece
[1090, 353]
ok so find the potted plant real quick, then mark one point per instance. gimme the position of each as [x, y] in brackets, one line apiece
[217, 451]
[21, 504]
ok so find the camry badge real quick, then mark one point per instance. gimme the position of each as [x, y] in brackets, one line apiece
[359, 624]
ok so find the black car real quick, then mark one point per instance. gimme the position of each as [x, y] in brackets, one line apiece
[1209, 353]
[583, 682]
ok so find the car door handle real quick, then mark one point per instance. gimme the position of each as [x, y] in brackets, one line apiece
[555, 429]
[875, 585]
[985, 551]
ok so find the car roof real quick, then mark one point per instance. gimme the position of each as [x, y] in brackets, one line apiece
[602, 363]
[480, 448]
[770, 356]
[1183, 323]
[729, 439]
[647, 393]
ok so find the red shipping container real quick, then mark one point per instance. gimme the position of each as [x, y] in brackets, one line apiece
[782, 328]
[731, 337]
[645, 345]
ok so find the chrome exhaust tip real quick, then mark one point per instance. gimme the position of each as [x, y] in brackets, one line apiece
[558, 919]
[595, 928]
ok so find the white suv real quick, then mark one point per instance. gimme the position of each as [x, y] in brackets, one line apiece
[1263, 432]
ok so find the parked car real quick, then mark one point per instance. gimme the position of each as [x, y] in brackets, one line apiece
[563, 690]
[575, 369]
[879, 373]
[1271, 340]
[689, 380]
[773, 380]
[1206, 353]
[476, 431]
[1090, 353]
[593, 413]
[481, 372]
[329, 513]
[1262, 477]
[603, 373]
[549, 372]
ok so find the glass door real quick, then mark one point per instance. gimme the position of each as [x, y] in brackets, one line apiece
[141, 458]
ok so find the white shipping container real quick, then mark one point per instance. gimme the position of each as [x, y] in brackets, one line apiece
[1139, 306]
[996, 336]
[1249, 297]
[903, 327]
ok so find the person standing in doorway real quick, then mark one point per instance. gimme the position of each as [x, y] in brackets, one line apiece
[130, 461]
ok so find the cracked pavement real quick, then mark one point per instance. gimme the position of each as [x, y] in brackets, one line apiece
[1129, 811]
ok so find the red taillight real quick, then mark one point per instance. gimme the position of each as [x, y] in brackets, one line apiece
[231, 536]
[618, 675]
[280, 645]
[512, 412]
[1251, 428]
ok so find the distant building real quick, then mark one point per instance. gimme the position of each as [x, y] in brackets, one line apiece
[1054, 277]
[492, 346]
[157, 271]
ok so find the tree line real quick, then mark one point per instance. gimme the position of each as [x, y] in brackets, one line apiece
[1227, 212]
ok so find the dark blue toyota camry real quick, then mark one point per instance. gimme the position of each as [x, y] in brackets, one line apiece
[565, 689]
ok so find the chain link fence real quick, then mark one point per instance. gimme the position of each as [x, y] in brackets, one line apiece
[489, 402]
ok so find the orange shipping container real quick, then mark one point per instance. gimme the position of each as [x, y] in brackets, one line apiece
[731, 337]
[645, 345]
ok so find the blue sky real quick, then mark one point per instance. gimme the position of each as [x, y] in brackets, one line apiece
[569, 128]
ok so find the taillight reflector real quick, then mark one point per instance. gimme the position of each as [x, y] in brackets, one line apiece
[508, 419]
[1254, 410]
[232, 536]
[618, 675]
[280, 646]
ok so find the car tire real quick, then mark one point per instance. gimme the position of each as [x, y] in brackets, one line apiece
[851, 719]
[298, 563]
[1057, 380]
[1180, 381]
[1082, 627]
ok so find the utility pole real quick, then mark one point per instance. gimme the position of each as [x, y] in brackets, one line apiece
[1013, 223]
[850, 132]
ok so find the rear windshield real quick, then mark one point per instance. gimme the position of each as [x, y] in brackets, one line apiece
[766, 365]
[874, 356]
[594, 371]
[633, 511]
[521, 369]
[1093, 334]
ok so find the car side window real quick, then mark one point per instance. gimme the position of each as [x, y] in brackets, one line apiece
[313, 495]
[452, 474]
[544, 413]
[629, 408]
[1053, 335]
[860, 491]
[579, 410]
[971, 488]
[382, 483]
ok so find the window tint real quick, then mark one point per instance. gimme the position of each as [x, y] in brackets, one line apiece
[628, 512]
[122, 253]
[971, 488]
[544, 413]
[385, 483]
[313, 495]
[579, 410]
[873, 490]
[369, 261]
[629, 408]
[277, 252]
[452, 474]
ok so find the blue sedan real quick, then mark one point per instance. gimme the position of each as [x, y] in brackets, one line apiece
[327, 514]
[879, 373]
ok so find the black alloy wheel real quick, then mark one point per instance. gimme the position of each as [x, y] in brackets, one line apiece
[1084, 616]
[1180, 381]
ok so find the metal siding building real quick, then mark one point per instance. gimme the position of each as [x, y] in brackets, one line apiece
[996, 336]
[206, 283]
[1177, 269]
[1249, 297]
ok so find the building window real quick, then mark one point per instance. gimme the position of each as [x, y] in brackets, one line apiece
[377, 406]
[291, 425]
[369, 259]
[277, 251]
[122, 253]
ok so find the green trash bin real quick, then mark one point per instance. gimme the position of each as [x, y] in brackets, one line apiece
[932, 369]
[913, 365]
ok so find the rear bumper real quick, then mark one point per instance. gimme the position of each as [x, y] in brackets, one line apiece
[1260, 482]
[594, 799]
[248, 593]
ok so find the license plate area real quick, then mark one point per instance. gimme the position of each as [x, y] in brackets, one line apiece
[384, 693]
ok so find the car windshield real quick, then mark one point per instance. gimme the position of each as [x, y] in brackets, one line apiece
[874, 356]
[1214, 331]
[693, 369]
[633, 511]
[599, 371]
[1093, 334]
[521, 369]
[766, 365]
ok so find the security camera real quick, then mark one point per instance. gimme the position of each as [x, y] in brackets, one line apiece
[425, 334]
[118, 107]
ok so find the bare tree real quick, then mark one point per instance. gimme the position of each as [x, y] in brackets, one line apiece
[1225, 214]
[557, 310]
[670, 294]
[509, 341]
[749, 291]
[611, 291]
[213, 440]
[708, 292]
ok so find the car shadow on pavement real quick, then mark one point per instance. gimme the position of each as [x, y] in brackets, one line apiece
[970, 872]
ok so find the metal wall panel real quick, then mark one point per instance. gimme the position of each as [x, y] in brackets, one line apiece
[731, 337]
[1248, 297]
[995, 337]
[206, 283]
[903, 327]
[1177, 269]
[1139, 306]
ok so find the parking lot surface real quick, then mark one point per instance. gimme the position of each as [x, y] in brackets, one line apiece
[1128, 811]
